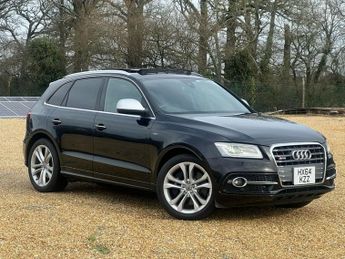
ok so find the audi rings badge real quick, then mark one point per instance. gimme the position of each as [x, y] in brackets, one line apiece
[301, 155]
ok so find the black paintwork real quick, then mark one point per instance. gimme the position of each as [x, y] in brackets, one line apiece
[129, 150]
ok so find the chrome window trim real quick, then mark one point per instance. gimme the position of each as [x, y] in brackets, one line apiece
[299, 144]
[96, 111]
[104, 112]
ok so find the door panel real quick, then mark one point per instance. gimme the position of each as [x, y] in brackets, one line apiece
[75, 134]
[73, 124]
[122, 151]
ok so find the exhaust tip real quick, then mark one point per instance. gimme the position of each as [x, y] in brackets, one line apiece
[239, 182]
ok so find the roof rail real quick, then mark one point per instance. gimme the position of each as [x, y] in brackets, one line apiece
[122, 71]
[149, 71]
[140, 71]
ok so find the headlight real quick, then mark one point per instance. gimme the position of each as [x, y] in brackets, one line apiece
[239, 150]
[328, 148]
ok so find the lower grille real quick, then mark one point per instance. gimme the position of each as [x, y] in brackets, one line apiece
[288, 156]
[255, 188]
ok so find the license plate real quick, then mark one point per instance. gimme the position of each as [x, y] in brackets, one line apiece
[304, 175]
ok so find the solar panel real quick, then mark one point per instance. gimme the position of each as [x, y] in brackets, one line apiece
[29, 104]
[19, 98]
[5, 112]
[31, 99]
[16, 107]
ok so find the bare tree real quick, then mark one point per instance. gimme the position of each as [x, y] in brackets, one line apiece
[269, 43]
[25, 21]
[197, 18]
[287, 52]
[132, 12]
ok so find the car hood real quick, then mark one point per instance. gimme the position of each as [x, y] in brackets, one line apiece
[256, 129]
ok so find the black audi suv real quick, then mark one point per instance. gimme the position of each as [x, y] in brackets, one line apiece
[193, 142]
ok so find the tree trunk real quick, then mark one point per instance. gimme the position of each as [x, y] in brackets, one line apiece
[250, 51]
[203, 38]
[219, 60]
[62, 30]
[81, 54]
[135, 27]
[249, 30]
[257, 27]
[309, 92]
[323, 61]
[9, 84]
[287, 53]
[230, 39]
[81, 37]
[216, 60]
[269, 44]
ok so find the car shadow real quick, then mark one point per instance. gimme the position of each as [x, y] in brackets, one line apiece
[141, 199]
[250, 213]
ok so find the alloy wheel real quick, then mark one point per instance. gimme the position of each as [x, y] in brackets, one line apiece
[42, 165]
[187, 187]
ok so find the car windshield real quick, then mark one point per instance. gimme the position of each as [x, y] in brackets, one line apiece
[192, 96]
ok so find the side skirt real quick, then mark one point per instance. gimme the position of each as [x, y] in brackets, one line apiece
[86, 178]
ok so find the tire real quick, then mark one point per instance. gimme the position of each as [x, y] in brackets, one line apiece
[294, 205]
[182, 196]
[45, 176]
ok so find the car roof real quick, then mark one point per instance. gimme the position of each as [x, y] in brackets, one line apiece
[137, 73]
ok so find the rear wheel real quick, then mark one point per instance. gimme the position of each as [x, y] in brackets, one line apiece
[44, 167]
[185, 188]
[294, 205]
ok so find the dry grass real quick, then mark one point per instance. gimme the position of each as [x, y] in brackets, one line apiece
[88, 221]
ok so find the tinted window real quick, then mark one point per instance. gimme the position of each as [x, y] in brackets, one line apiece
[192, 95]
[84, 93]
[120, 89]
[59, 95]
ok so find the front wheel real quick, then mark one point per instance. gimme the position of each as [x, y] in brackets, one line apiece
[185, 188]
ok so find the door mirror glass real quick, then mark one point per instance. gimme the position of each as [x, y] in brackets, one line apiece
[131, 106]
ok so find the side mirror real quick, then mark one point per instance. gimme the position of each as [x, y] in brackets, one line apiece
[246, 102]
[131, 106]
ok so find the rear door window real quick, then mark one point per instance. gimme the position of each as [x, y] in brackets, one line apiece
[84, 93]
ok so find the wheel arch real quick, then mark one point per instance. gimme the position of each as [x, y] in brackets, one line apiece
[173, 151]
[34, 138]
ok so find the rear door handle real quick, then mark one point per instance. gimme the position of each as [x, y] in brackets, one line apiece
[56, 122]
[101, 127]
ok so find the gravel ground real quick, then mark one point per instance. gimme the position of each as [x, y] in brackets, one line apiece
[89, 221]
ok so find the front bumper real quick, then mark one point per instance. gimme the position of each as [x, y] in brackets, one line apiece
[283, 196]
[264, 186]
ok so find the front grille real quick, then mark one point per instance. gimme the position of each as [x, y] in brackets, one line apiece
[283, 156]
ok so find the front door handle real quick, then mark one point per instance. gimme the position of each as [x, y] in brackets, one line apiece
[56, 122]
[101, 127]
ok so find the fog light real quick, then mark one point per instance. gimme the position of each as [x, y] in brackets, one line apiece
[239, 182]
